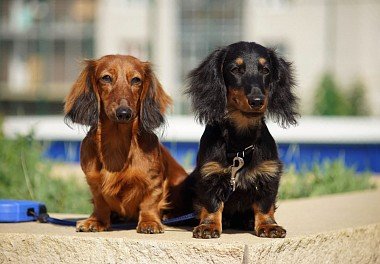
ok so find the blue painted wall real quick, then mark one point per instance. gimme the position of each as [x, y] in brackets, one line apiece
[364, 157]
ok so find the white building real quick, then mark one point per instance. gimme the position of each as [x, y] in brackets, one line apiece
[340, 36]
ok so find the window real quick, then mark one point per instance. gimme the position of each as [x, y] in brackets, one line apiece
[206, 25]
[40, 41]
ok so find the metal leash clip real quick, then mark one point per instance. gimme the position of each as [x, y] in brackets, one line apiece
[237, 164]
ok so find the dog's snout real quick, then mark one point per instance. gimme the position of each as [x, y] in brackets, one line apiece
[256, 102]
[123, 113]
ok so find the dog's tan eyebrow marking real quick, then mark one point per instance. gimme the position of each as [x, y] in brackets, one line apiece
[262, 61]
[239, 61]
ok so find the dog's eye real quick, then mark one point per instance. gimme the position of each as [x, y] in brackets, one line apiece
[107, 78]
[135, 81]
[265, 70]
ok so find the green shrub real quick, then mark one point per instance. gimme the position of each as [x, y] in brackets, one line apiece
[331, 101]
[25, 175]
[327, 178]
[357, 101]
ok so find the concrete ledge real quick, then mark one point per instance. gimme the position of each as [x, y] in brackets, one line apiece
[18, 248]
[353, 245]
[341, 228]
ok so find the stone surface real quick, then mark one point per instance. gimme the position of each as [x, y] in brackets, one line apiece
[342, 228]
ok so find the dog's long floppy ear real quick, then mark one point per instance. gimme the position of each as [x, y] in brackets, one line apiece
[207, 89]
[81, 104]
[283, 103]
[154, 102]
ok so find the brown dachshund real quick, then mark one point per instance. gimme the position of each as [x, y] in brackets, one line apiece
[129, 172]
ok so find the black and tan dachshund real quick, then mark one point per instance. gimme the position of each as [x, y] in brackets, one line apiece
[238, 170]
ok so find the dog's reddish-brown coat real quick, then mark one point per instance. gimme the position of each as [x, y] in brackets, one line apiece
[127, 169]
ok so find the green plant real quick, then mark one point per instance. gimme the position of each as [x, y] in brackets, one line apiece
[357, 101]
[329, 99]
[25, 175]
[327, 178]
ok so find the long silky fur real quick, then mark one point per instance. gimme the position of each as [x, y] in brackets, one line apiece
[207, 90]
[154, 104]
[151, 117]
[283, 103]
[84, 106]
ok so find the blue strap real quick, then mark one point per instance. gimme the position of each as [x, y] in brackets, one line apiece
[45, 218]
[179, 219]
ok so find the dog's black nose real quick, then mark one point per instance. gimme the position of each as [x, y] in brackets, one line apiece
[256, 102]
[123, 113]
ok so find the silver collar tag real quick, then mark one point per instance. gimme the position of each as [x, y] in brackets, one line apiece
[237, 164]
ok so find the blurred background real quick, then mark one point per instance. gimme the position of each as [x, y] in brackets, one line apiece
[43, 41]
[334, 45]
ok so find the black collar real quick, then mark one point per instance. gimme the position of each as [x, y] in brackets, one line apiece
[242, 154]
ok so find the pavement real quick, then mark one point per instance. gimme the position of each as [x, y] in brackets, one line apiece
[342, 228]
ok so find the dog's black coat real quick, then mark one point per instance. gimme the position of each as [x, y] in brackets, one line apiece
[209, 86]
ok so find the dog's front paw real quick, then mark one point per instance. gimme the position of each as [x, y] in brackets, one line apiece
[270, 230]
[207, 231]
[91, 225]
[150, 227]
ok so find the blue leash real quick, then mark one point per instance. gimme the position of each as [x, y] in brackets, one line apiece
[45, 218]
